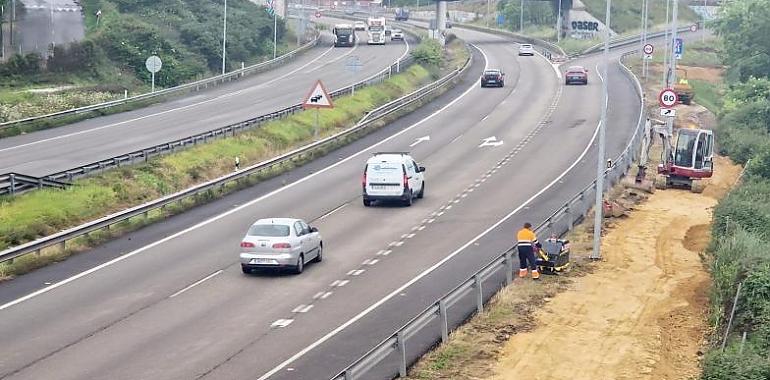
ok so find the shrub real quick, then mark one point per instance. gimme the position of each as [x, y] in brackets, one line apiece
[429, 52]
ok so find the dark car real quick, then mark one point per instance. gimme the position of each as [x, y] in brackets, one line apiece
[576, 74]
[493, 77]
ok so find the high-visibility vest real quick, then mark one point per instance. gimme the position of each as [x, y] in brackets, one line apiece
[526, 237]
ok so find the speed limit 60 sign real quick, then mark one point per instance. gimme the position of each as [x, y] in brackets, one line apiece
[648, 49]
[667, 98]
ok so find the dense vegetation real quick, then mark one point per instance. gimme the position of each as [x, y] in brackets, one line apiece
[187, 35]
[741, 231]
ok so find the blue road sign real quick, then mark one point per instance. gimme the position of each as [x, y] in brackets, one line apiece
[679, 47]
[500, 19]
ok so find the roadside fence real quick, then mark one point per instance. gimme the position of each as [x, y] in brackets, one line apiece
[369, 122]
[392, 357]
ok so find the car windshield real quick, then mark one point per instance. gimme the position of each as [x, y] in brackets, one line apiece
[576, 69]
[491, 72]
[270, 230]
[526, 46]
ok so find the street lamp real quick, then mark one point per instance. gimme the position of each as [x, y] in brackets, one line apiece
[224, 38]
[600, 162]
[558, 24]
[521, 17]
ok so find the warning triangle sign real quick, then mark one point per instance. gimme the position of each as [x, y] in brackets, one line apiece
[318, 97]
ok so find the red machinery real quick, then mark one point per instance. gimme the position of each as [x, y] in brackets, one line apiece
[691, 160]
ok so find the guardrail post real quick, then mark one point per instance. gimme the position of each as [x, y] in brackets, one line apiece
[39, 183]
[63, 245]
[443, 320]
[402, 352]
[508, 267]
[13, 183]
[144, 152]
[479, 293]
[568, 213]
[398, 66]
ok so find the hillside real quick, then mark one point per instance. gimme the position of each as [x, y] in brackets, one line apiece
[627, 14]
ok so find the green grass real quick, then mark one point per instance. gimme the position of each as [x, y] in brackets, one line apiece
[708, 94]
[574, 46]
[698, 53]
[627, 14]
[40, 213]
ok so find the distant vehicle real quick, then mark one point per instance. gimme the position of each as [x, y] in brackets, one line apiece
[576, 74]
[448, 24]
[388, 31]
[396, 35]
[392, 176]
[493, 77]
[344, 35]
[349, 12]
[526, 49]
[360, 25]
[402, 14]
[280, 243]
[376, 30]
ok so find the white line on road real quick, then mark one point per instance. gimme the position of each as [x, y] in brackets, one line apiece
[410, 236]
[326, 295]
[196, 283]
[332, 212]
[427, 271]
[343, 283]
[281, 323]
[36, 293]
[302, 309]
[384, 252]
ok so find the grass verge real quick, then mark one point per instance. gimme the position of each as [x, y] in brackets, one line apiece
[40, 213]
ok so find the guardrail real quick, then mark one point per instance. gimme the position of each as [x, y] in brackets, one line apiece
[363, 126]
[13, 188]
[629, 40]
[391, 357]
[196, 86]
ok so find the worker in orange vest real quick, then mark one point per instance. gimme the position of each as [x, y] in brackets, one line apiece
[527, 243]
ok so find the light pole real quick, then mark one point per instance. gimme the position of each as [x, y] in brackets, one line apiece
[275, 32]
[521, 18]
[487, 13]
[224, 38]
[665, 44]
[672, 73]
[53, 32]
[600, 163]
[705, 10]
[645, 19]
[558, 24]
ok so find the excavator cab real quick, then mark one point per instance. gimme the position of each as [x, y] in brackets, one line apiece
[692, 159]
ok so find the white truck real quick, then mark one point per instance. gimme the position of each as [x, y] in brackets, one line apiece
[376, 30]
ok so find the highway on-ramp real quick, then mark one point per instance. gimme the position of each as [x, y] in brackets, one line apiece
[53, 150]
[178, 306]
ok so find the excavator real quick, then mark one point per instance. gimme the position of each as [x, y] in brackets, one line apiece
[684, 91]
[682, 165]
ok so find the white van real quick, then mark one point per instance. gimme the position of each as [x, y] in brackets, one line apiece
[392, 176]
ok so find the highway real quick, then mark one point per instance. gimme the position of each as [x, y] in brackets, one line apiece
[53, 150]
[172, 303]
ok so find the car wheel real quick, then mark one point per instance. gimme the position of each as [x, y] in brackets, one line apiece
[408, 200]
[421, 194]
[300, 265]
[320, 256]
[367, 203]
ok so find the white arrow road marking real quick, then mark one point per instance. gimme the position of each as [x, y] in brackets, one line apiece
[281, 323]
[490, 141]
[419, 140]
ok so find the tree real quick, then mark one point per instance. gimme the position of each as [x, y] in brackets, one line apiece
[745, 30]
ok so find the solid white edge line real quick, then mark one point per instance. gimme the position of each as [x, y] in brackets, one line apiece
[195, 284]
[241, 207]
[432, 268]
[163, 112]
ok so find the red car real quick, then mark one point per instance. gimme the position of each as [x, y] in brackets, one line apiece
[576, 74]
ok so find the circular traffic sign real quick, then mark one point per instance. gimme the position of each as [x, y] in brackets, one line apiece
[667, 98]
[694, 27]
[648, 49]
[153, 64]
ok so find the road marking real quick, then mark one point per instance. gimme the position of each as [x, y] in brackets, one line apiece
[398, 243]
[409, 236]
[419, 140]
[441, 213]
[384, 252]
[166, 111]
[196, 283]
[47, 289]
[356, 272]
[462, 196]
[426, 272]
[318, 295]
[421, 228]
[332, 211]
[485, 118]
[326, 295]
[455, 139]
[335, 283]
[416, 227]
[281, 323]
[343, 283]
[431, 220]
[373, 261]
[302, 309]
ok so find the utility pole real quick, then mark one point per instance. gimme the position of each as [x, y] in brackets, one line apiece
[487, 14]
[13, 19]
[600, 163]
[645, 21]
[558, 24]
[275, 33]
[521, 18]
[672, 77]
[705, 10]
[665, 44]
[53, 32]
[224, 39]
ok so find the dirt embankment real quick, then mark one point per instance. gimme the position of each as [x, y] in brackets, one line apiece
[642, 313]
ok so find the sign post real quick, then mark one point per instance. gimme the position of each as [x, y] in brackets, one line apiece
[648, 49]
[678, 48]
[317, 98]
[153, 65]
[353, 64]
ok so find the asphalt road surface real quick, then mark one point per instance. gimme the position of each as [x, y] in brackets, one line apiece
[170, 301]
[49, 21]
[53, 150]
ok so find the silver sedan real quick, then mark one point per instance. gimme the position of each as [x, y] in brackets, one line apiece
[280, 243]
